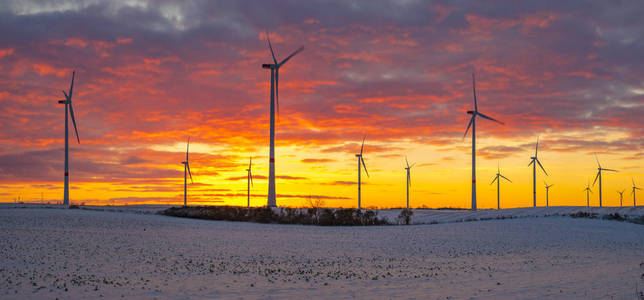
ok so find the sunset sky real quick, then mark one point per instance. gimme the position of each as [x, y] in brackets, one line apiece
[151, 73]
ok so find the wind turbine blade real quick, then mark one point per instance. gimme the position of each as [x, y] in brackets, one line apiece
[365, 167]
[71, 87]
[536, 148]
[544, 170]
[412, 165]
[406, 161]
[187, 148]
[474, 91]
[292, 54]
[468, 126]
[188, 166]
[610, 170]
[490, 118]
[271, 47]
[531, 162]
[71, 112]
[596, 178]
[250, 163]
[362, 147]
[505, 178]
[495, 178]
[597, 161]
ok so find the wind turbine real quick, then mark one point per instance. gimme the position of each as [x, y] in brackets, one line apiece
[497, 178]
[472, 124]
[588, 192]
[408, 168]
[249, 181]
[361, 161]
[274, 67]
[621, 197]
[599, 176]
[633, 192]
[68, 107]
[186, 171]
[547, 189]
[534, 161]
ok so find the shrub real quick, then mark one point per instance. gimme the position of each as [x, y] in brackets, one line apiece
[405, 216]
[308, 216]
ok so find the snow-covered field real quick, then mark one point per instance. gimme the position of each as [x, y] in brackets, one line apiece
[50, 253]
[433, 216]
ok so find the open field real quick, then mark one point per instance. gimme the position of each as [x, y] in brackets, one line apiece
[74, 254]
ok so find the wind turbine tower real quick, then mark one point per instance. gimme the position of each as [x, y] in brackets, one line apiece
[621, 197]
[274, 67]
[534, 161]
[249, 181]
[588, 192]
[69, 110]
[497, 178]
[472, 124]
[408, 168]
[361, 161]
[599, 176]
[547, 190]
[186, 172]
[633, 192]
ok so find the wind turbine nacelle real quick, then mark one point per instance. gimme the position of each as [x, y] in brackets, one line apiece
[266, 66]
[61, 101]
[471, 112]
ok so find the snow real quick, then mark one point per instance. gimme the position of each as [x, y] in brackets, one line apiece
[114, 254]
[433, 216]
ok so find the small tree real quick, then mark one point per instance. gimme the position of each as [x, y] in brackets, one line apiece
[405, 216]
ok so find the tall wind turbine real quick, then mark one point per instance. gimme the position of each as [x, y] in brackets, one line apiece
[408, 168]
[621, 197]
[599, 176]
[68, 107]
[274, 67]
[249, 180]
[633, 192]
[497, 178]
[547, 190]
[361, 161]
[472, 124]
[588, 192]
[186, 171]
[534, 161]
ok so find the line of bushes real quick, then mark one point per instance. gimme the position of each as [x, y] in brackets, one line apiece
[281, 215]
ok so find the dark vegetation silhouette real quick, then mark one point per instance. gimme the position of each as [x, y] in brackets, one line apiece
[282, 215]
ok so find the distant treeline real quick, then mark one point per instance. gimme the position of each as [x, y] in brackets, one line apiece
[281, 215]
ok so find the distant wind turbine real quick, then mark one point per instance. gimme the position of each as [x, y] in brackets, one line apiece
[497, 178]
[633, 192]
[408, 168]
[272, 202]
[472, 124]
[361, 161]
[547, 190]
[588, 192]
[186, 171]
[534, 161]
[621, 197]
[249, 181]
[599, 176]
[68, 107]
